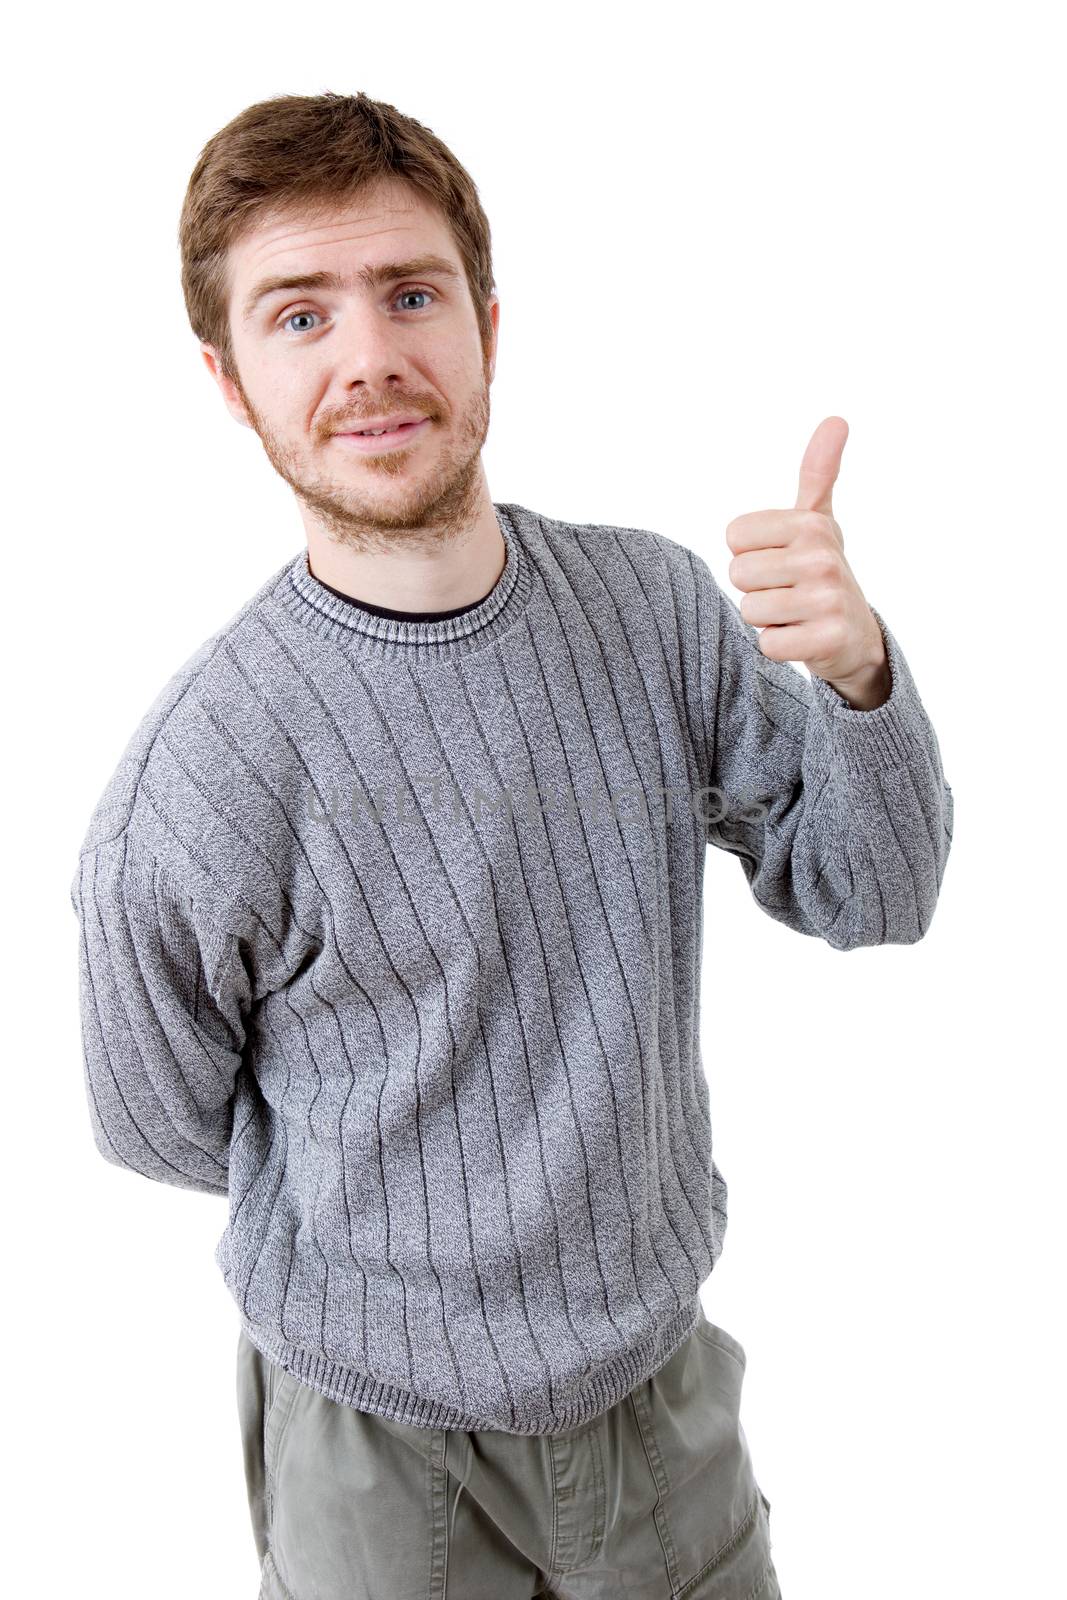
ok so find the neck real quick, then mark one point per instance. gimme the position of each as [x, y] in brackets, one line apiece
[387, 640]
[431, 568]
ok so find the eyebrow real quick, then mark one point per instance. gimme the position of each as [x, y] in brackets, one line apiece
[426, 266]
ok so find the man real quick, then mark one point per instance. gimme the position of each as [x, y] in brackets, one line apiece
[391, 915]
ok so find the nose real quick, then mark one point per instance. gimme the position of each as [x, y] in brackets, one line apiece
[370, 350]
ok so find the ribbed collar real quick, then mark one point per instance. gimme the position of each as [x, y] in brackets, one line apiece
[382, 638]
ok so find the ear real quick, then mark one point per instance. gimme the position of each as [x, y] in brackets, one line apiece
[494, 317]
[230, 392]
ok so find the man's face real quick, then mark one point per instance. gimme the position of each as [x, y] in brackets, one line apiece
[315, 362]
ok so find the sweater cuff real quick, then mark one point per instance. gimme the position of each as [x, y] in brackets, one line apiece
[890, 736]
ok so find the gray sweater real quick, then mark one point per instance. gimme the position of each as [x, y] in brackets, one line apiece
[391, 932]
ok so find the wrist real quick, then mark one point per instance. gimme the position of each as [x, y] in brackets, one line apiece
[866, 690]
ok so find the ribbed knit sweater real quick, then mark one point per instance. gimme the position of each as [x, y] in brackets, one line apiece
[391, 931]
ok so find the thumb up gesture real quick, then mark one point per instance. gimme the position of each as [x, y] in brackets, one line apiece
[800, 590]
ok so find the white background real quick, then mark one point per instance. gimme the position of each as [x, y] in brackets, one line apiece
[713, 226]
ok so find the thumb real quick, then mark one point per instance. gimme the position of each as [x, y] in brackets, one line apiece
[820, 466]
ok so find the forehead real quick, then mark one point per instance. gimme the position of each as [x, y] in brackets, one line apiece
[384, 222]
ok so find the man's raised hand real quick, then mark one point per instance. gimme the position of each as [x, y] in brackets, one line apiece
[799, 588]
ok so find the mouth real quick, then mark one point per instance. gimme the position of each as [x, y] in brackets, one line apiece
[374, 444]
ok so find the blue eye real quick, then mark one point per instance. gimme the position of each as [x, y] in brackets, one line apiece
[293, 314]
[301, 312]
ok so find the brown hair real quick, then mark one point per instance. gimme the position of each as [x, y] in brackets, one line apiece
[306, 153]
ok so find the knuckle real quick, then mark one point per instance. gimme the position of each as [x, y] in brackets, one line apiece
[816, 525]
[825, 563]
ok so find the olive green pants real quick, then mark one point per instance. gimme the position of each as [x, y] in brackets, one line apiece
[655, 1499]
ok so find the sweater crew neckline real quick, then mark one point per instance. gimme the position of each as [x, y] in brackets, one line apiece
[370, 634]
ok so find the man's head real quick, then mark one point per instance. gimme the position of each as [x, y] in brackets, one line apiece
[347, 189]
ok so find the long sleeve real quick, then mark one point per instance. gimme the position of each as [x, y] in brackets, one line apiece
[841, 818]
[162, 991]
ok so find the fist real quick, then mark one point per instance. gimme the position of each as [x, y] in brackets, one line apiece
[799, 588]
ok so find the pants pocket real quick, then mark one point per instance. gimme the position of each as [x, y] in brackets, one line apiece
[282, 1394]
[710, 1516]
[711, 1333]
[356, 1503]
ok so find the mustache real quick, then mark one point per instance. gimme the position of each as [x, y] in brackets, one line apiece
[346, 424]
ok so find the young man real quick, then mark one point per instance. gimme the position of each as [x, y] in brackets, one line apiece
[391, 915]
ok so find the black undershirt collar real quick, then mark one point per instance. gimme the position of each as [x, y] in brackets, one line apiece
[401, 616]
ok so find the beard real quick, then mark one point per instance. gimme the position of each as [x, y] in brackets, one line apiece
[438, 501]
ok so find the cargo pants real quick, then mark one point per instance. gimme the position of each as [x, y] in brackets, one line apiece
[655, 1499]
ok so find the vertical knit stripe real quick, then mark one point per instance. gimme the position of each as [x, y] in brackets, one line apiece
[391, 931]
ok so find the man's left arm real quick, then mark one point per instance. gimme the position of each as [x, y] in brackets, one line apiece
[832, 791]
